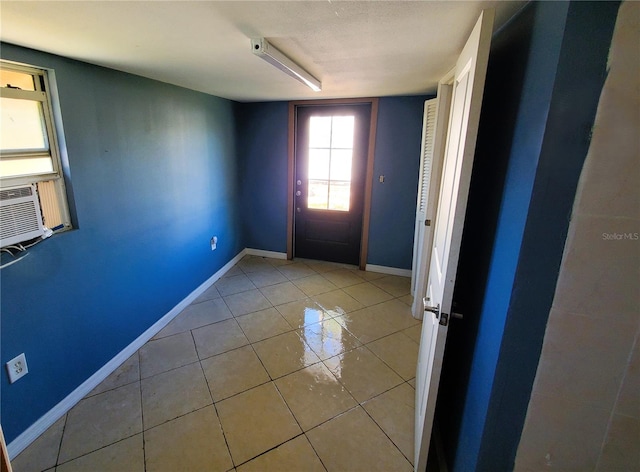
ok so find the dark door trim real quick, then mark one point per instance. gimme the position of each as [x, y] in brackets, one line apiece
[364, 245]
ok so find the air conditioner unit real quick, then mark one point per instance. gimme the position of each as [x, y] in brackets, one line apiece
[20, 216]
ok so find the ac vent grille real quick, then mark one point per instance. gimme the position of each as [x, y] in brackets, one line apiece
[18, 219]
[12, 193]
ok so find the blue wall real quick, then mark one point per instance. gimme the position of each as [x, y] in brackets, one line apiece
[262, 143]
[393, 203]
[546, 71]
[154, 176]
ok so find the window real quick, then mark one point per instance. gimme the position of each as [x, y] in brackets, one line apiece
[330, 156]
[29, 151]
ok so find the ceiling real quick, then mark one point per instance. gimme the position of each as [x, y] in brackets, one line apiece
[356, 48]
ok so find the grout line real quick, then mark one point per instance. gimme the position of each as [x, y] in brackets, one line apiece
[144, 444]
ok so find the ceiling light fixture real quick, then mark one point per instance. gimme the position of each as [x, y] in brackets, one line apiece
[262, 48]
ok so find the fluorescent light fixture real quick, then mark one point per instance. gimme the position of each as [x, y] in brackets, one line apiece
[262, 48]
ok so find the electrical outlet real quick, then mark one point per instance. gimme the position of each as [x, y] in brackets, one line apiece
[214, 243]
[17, 368]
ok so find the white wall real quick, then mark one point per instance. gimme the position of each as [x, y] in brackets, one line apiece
[584, 412]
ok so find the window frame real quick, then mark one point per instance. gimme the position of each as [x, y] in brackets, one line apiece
[46, 94]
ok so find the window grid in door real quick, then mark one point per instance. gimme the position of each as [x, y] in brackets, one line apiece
[330, 160]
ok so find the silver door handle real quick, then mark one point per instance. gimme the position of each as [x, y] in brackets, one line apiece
[433, 309]
[457, 316]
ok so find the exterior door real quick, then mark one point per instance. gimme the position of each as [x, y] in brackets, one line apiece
[331, 147]
[468, 86]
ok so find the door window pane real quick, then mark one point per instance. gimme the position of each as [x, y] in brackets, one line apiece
[330, 161]
[22, 126]
[319, 161]
[320, 132]
[341, 164]
[318, 197]
[342, 132]
[339, 196]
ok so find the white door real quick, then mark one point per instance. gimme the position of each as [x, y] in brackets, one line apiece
[468, 86]
[434, 132]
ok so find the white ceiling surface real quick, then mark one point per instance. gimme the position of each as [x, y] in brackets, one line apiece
[356, 48]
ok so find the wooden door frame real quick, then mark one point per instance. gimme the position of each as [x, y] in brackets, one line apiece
[368, 185]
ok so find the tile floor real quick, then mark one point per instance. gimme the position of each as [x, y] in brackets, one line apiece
[281, 365]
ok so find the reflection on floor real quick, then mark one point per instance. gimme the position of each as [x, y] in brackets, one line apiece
[281, 365]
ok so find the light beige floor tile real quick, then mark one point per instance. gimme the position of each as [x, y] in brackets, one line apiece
[406, 299]
[282, 293]
[171, 394]
[314, 395]
[218, 338]
[195, 316]
[314, 285]
[280, 262]
[284, 354]
[250, 264]
[265, 278]
[247, 302]
[396, 313]
[41, 454]
[101, 420]
[366, 325]
[325, 266]
[362, 373]
[414, 332]
[234, 372]
[236, 284]
[209, 294]
[302, 312]
[337, 303]
[127, 373]
[394, 284]
[297, 270]
[235, 270]
[193, 442]
[295, 455]
[395, 413]
[255, 421]
[343, 277]
[399, 352]
[368, 294]
[328, 338]
[263, 324]
[368, 275]
[127, 454]
[353, 442]
[164, 354]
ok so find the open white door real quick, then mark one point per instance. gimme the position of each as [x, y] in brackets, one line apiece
[468, 87]
[434, 133]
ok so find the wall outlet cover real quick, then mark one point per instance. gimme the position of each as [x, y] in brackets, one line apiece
[17, 368]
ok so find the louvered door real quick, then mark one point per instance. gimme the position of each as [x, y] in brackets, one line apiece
[434, 126]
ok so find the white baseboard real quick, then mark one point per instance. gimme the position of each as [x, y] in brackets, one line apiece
[16, 446]
[388, 270]
[261, 253]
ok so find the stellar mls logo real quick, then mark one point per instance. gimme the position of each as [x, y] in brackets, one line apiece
[620, 236]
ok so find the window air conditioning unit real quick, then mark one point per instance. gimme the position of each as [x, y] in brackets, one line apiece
[20, 216]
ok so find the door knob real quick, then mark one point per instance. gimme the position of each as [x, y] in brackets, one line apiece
[433, 309]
